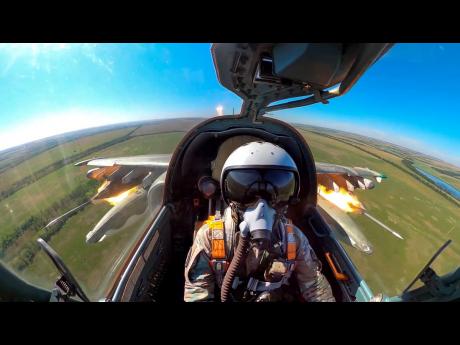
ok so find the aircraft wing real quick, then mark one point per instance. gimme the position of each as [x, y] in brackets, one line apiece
[122, 173]
[344, 227]
[158, 160]
[329, 175]
[133, 185]
[334, 177]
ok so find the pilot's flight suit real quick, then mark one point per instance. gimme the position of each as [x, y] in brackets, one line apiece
[200, 279]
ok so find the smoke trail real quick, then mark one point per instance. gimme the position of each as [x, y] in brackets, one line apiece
[68, 213]
[383, 225]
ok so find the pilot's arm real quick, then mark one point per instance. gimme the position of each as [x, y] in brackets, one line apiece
[199, 278]
[313, 285]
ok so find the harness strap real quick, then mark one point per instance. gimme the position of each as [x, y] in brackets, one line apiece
[291, 243]
[217, 238]
[259, 285]
[218, 263]
[291, 254]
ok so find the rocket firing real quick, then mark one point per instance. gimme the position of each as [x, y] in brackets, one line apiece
[383, 225]
[349, 203]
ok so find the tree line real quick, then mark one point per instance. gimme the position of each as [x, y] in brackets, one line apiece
[36, 223]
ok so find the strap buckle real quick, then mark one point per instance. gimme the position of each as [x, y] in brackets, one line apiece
[256, 285]
[252, 284]
[291, 265]
[219, 265]
[219, 268]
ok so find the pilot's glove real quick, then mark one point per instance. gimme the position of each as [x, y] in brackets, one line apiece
[313, 285]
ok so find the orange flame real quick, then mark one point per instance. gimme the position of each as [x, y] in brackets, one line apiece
[342, 199]
[103, 185]
[120, 197]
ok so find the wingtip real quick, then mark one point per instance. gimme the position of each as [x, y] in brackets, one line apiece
[86, 161]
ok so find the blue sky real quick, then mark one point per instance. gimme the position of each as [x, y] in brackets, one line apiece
[409, 97]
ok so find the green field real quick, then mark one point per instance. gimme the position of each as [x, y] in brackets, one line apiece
[155, 127]
[146, 144]
[61, 152]
[422, 215]
[41, 194]
[90, 263]
[84, 260]
[424, 218]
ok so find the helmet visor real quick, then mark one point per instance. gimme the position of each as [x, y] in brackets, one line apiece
[245, 186]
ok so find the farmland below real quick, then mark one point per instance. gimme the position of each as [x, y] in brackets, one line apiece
[40, 182]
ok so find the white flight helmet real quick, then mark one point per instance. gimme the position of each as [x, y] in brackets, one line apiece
[259, 170]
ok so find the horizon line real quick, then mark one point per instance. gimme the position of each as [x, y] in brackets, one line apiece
[210, 116]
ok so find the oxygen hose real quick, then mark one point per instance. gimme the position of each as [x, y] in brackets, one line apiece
[238, 259]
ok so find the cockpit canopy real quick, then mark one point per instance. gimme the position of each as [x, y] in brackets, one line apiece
[263, 73]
